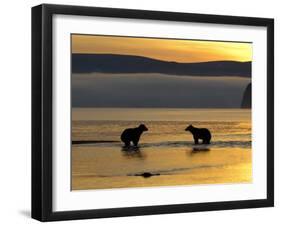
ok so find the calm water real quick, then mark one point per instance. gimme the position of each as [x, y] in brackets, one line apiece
[166, 150]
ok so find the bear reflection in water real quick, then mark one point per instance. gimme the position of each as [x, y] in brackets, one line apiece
[133, 152]
[197, 150]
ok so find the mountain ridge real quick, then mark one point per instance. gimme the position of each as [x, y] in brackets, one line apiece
[116, 63]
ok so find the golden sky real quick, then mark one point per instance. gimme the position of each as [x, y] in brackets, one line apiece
[163, 49]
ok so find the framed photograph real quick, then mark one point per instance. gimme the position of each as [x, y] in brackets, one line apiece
[146, 112]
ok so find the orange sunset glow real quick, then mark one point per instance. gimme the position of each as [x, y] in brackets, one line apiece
[163, 49]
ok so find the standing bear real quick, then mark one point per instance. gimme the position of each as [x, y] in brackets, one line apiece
[133, 134]
[199, 133]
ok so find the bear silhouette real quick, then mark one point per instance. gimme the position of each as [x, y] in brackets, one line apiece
[199, 133]
[133, 135]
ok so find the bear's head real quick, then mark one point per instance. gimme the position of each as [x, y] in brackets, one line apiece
[142, 127]
[189, 128]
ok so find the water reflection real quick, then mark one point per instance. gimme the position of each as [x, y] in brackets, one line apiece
[132, 152]
[196, 150]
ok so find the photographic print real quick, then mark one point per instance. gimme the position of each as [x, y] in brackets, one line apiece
[159, 112]
[138, 112]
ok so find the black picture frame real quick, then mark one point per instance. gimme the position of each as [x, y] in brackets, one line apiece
[42, 104]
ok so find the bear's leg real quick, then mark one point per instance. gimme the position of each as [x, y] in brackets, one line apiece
[127, 143]
[206, 141]
[135, 142]
[195, 140]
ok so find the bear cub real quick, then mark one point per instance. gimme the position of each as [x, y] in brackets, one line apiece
[200, 133]
[133, 135]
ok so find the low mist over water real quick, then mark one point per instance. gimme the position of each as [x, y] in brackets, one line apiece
[156, 90]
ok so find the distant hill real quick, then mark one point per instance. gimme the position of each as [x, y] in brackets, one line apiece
[247, 97]
[113, 63]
